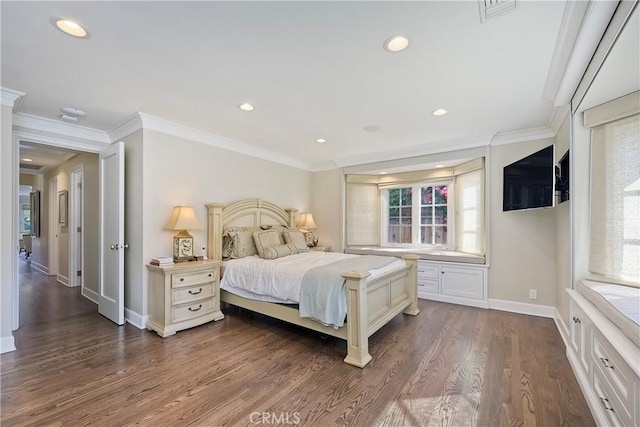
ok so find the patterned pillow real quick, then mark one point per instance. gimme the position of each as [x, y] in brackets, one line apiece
[266, 239]
[297, 238]
[279, 251]
[242, 242]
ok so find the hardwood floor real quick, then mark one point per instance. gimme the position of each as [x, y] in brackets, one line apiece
[450, 365]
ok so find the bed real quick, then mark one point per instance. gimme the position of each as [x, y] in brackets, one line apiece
[370, 304]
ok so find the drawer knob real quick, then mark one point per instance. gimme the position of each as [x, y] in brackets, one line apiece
[195, 309]
[576, 319]
[195, 293]
[605, 362]
[210, 274]
[182, 279]
[606, 404]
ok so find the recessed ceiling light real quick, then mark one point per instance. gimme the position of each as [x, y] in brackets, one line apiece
[439, 112]
[371, 128]
[246, 107]
[439, 166]
[321, 140]
[396, 43]
[27, 160]
[72, 28]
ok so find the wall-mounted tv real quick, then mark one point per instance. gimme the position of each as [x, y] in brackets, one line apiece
[529, 182]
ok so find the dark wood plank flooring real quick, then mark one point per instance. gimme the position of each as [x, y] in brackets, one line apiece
[451, 365]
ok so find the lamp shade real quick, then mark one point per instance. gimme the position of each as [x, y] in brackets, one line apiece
[182, 218]
[305, 221]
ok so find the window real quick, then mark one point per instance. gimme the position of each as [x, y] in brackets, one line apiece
[439, 208]
[418, 215]
[615, 200]
[614, 246]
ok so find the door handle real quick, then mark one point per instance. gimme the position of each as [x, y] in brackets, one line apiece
[112, 247]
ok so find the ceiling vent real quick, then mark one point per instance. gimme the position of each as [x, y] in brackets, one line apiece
[30, 166]
[490, 9]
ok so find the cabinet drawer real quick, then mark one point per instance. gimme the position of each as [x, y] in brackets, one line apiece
[185, 295]
[613, 409]
[613, 368]
[428, 271]
[425, 285]
[191, 279]
[191, 311]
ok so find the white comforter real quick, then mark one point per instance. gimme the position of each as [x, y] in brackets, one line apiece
[278, 280]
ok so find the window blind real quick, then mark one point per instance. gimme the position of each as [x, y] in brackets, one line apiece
[470, 212]
[363, 214]
[615, 199]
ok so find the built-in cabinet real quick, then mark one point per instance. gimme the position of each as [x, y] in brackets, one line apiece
[453, 282]
[606, 363]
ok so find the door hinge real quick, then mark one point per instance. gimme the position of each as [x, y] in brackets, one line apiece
[79, 229]
[79, 185]
[79, 273]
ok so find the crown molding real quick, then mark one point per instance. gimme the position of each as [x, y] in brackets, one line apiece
[533, 134]
[412, 151]
[58, 141]
[11, 98]
[182, 131]
[57, 127]
[557, 117]
[582, 28]
[132, 125]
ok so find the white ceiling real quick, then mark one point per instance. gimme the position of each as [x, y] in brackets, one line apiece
[43, 157]
[312, 69]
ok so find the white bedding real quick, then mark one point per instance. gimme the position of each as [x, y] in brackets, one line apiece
[278, 280]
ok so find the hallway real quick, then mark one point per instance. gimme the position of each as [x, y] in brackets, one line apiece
[43, 299]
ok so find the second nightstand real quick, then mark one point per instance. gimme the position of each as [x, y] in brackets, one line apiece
[320, 248]
[183, 295]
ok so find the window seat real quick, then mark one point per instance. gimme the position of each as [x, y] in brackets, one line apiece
[618, 303]
[426, 254]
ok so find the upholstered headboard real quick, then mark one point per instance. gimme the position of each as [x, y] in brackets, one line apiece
[245, 213]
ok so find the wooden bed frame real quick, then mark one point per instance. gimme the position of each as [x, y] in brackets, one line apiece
[371, 304]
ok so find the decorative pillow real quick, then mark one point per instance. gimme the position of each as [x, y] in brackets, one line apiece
[266, 239]
[279, 251]
[297, 238]
[243, 244]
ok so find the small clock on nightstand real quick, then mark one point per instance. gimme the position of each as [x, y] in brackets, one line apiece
[320, 248]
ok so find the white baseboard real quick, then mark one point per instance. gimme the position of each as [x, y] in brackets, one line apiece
[7, 344]
[41, 268]
[135, 319]
[562, 328]
[455, 300]
[63, 279]
[522, 308]
[90, 295]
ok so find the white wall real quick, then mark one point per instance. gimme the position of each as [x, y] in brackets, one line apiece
[523, 244]
[163, 171]
[326, 190]
[7, 252]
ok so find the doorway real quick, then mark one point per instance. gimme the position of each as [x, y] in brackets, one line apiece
[76, 226]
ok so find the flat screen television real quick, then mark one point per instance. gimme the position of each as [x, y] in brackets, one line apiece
[529, 182]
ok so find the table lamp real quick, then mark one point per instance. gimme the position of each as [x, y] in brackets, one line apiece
[305, 223]
[182, 218]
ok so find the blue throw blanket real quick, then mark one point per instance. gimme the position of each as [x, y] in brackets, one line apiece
[323, 295]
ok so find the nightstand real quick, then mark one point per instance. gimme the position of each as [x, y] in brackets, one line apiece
[183, 295]
[320, 248]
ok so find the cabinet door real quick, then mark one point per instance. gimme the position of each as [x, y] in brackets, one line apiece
[462, 282]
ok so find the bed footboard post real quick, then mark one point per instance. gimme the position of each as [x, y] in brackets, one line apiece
[357, 319]
[412, 290]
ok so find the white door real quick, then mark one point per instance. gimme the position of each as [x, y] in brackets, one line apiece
[111, 300]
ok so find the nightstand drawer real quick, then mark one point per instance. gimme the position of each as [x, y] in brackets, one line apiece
[191, 311]
[191, 279]
[184, 295]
